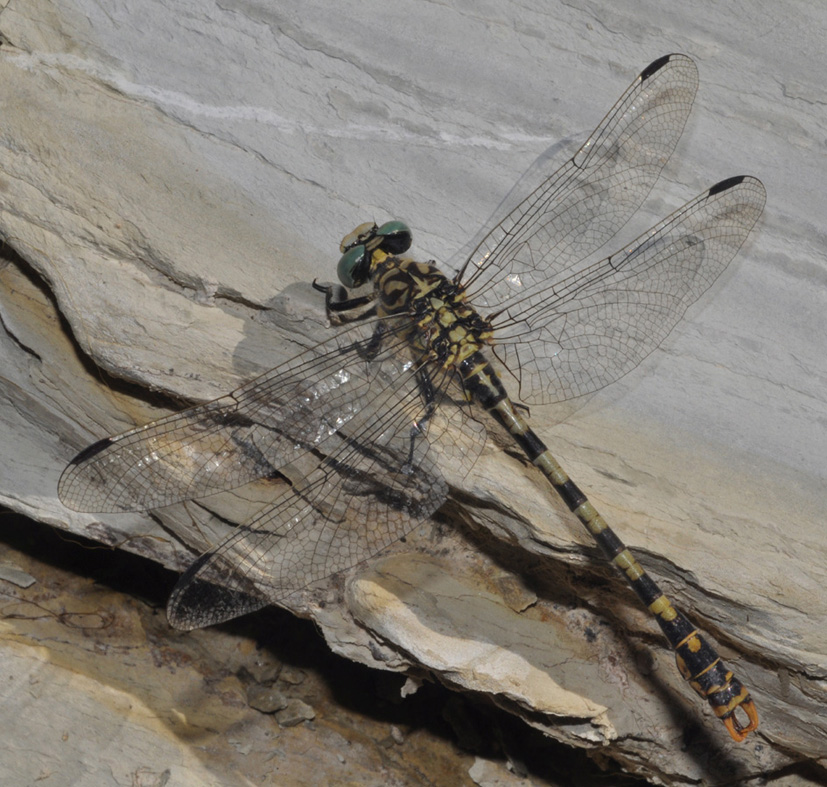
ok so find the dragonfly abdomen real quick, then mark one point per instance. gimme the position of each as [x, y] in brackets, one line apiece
[697, 661]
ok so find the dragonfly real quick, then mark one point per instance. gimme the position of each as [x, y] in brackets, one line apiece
[358, 426]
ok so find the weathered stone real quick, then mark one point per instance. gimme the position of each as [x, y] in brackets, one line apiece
[292, 675]
[295, 712]
[172, 183]
[267, 699]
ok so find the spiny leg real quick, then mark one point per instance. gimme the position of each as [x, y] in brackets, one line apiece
[697, 660]
[342, 306]
[419, 428]
[347, 310]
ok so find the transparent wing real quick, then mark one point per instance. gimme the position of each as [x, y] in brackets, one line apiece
[356, 430]
[588, 326]
[344, 511]
[583, 204]
[379, 481]
[246, 435]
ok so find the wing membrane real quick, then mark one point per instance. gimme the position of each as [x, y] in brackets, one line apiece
[582, 205]
[358, 440]
[368, 493]
[586, 328]
[246, 435]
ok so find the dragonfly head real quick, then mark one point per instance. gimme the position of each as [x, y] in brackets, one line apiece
[359, 247]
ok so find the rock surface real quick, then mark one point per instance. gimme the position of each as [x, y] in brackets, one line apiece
[97, 691]
[172, 182]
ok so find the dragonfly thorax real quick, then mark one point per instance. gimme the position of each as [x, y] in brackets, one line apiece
[442, 323]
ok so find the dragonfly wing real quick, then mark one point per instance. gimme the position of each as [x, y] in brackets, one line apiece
[375, 485]
[586, 328]
[197, 603]
[241, 437]
[583, 204]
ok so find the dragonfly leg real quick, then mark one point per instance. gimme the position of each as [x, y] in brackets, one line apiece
[336, 306]
[419, 428]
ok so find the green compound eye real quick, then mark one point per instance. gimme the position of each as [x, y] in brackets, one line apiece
[353, 267]
[395, 237]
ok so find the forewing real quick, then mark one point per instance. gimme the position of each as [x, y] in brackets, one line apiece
[583, 204]
[246, 435]
[586, 328]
